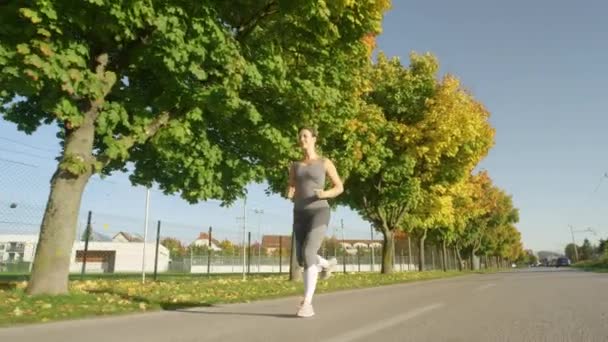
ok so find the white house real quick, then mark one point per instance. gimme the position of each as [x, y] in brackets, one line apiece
[352, 246]
[127, 237]
[102, 256]
[357, 245]
[17, 248]
[375, 245]
[203, 240]
[121, 257]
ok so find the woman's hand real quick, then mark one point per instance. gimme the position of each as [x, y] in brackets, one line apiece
[337, 188]
[320, 194]
[291, 191]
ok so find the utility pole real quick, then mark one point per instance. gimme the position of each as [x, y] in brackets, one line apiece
[143, 259]
[244, 218]
[244, 233]
[572, 231]
[259, 212]
[574, 244]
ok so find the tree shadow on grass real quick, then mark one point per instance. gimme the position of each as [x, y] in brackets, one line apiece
[188, 307]
[170, 306]
[7, 286]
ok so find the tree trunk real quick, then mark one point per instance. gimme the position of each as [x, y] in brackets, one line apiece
[58, 229]
[388, 251]
[295, 273]
[471, 261]
[421, 260]
[473, 267]
[458, 258]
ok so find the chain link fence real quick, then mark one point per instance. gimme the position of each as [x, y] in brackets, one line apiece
[114, 244]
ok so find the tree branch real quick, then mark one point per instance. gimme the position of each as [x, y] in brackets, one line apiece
[390, 217]
[369, 211]
[246, 27]
[382, 217]
[129, 141]
[91, 107]
[401, 213]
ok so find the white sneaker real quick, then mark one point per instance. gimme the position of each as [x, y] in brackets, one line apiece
[326, 272]
[305, 310]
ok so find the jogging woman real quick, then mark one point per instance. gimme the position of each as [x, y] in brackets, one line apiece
[311, 213]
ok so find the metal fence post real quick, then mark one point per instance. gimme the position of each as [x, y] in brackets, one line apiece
[249, 253]
[433, 256]
[343, 259]
[409, 252]
[371, 245]
[87, 234]
[156, 253]
[343, 246]
[280, 254]
[209, 252]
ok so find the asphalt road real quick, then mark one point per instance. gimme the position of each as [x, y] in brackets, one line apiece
[529, 305]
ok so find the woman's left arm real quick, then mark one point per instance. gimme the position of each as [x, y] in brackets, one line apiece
[337, 187]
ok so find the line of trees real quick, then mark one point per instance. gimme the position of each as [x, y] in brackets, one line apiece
[587, 251]
[202, 98]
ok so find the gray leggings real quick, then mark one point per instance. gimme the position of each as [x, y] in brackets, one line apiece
[309, 226]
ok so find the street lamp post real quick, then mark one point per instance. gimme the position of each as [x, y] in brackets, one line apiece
[244, 233]
[143, 259]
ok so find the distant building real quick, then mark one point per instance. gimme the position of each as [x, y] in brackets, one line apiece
[203, 240]
[125, 257]
[15, 248]
[95, 236]
[102, 256]
[351, 246]
[127, 237]
[272, 243]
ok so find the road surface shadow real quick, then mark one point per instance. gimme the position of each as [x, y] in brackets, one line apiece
[256, 314]
[183, 305]
[544, 270]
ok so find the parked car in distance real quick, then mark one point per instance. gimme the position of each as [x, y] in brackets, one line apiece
[562, 262]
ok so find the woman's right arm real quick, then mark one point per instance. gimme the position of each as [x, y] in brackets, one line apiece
[291, 188]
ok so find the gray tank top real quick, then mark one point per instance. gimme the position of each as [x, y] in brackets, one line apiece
[309, 177]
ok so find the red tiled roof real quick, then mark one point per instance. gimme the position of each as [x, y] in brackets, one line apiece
[272, 241]
[205, 236]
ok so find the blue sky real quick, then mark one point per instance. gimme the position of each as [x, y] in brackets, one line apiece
[539, 67]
